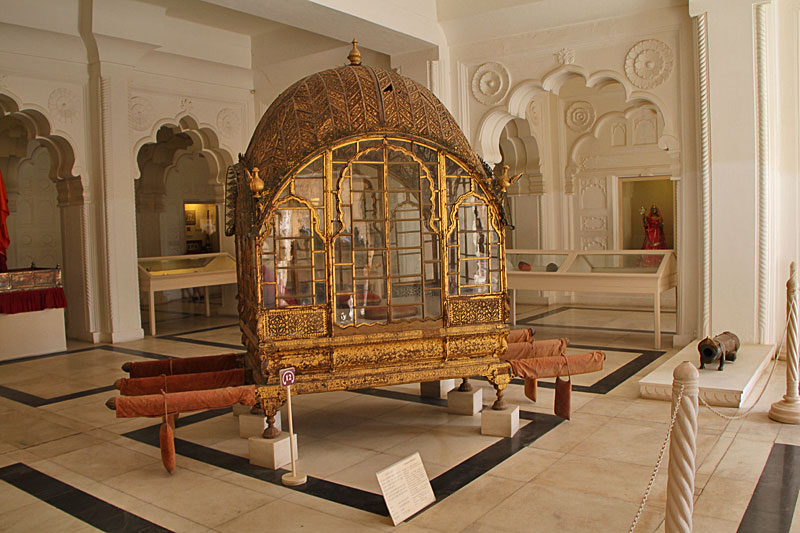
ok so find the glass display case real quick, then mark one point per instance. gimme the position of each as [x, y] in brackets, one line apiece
[622, 271]
[184, 272]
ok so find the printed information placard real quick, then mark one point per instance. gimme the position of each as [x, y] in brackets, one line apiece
[405, 487]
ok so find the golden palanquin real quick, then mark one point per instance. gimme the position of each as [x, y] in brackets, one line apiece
[369, 240]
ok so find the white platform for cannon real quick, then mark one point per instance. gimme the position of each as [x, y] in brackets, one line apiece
[731, 387]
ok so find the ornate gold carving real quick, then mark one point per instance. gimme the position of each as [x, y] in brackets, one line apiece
[472, 310]
[293, 322]
[344, 102]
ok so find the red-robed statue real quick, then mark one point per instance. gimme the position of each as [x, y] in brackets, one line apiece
[654, 238]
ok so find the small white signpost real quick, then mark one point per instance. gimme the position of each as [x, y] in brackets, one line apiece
[405, 487]
[292, 478]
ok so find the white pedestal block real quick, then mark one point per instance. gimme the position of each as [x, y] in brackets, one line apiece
[730, 387]
[254, 425]
[271, 453]
[503, 423]
[33, 333]
[239, 409]
[436, 389]
[465, 403]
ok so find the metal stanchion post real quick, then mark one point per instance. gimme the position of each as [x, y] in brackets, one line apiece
[682, 450]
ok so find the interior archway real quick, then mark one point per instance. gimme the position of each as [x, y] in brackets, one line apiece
[37, 170]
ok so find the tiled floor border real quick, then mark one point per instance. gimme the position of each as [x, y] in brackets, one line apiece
[529, 321]
[443, 485]
[75, 502]
[771, 507]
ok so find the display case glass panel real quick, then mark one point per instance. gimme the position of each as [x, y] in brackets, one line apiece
[534, 262]
[170, 266]
[617, 263]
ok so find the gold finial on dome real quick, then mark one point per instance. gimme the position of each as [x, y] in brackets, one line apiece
[354, 56]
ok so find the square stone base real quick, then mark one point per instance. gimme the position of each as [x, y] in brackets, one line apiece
[503, 423]
[730, 387]
[465, 403]
[436, 389]
[254, 425]
[271, 453]
[239, 409]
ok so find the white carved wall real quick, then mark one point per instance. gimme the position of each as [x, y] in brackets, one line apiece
[602, 100]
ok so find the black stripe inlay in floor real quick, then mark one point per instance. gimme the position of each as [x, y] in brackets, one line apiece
[443, 485]
[772, 505]
[81, 505]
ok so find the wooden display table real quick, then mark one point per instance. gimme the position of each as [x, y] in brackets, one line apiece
[184, 272]
[622, 271]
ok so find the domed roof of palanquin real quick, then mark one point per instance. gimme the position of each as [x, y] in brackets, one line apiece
[344, 102]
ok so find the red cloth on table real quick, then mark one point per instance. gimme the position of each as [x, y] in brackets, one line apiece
[181, 382]
[188, 365]
[34, 300]
[4, 212]
[180, 402]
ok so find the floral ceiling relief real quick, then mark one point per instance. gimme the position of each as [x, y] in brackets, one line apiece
[490, 83]
[649, 63]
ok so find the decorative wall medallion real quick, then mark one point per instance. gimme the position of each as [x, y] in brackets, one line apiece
[649, 63]
[580, 116]
[593, 223]
[63, 104]
[186, 104]
[533, 113]
[3, 80]
[565, 56]
[228, 122]
[140, 113]
[490, 83]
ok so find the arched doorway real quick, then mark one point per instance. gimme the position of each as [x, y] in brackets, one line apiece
[180, 197]
[37, 170]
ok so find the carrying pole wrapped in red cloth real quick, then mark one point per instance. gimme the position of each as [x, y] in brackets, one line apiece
[531, 350]
[180, 382]
[181, 402]
[520, 335]
[558, 365]
[188, 365]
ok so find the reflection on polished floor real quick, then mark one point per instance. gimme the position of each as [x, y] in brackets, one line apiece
[67, 464]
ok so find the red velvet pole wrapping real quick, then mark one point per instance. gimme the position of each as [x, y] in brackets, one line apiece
[520, 335]
[188, 365]
[180, 382]
[550, 367]
[179, 402]
[527, 350]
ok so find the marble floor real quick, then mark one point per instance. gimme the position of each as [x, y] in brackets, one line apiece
[67, 464]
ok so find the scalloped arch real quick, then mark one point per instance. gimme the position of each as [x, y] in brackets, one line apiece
[493, 121]
[38, 127]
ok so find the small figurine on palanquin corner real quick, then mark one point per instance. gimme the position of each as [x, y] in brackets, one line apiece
[722, 347]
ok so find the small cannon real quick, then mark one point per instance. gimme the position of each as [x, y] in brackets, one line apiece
[722, 347]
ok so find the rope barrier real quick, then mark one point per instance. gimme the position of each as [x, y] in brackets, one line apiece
[658, 463]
